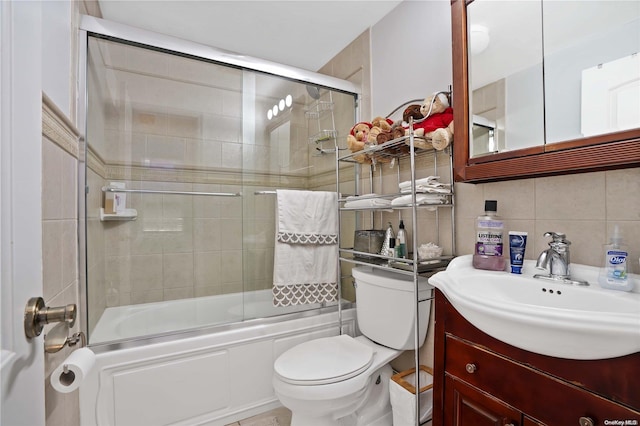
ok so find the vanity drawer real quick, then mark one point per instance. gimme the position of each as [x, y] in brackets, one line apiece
[546, 398]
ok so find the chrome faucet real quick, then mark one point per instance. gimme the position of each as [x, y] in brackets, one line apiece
[557, 260]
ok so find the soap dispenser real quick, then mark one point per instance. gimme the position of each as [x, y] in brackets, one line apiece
[613, 274]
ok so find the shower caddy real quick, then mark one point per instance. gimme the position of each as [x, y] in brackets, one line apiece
[322, 110]
[397, 153]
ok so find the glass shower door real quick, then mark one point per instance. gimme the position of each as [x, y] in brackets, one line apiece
[164, 146]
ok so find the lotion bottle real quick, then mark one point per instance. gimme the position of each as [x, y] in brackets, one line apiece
[489, 243]
[613, 274]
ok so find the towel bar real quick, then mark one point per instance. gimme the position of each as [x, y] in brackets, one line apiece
[151, 191]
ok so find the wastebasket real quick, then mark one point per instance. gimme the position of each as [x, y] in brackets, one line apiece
[402, 390]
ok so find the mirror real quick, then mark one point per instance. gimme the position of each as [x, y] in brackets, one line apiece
[523, 108]
[505, 75]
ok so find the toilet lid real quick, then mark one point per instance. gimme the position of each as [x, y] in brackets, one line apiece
[324, 360]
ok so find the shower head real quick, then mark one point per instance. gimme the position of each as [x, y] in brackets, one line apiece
[313, 91]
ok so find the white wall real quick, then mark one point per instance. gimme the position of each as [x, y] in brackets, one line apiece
[57, 42]
[411, 54]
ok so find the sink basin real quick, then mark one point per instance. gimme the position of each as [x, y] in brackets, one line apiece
[555, 319]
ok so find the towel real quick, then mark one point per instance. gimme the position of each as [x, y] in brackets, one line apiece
[306, 248]
[430, 184]
[369, 200]
[406, 200]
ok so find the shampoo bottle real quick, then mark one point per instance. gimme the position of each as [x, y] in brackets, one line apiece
[402, 240]
[489, 243]
[613, 274]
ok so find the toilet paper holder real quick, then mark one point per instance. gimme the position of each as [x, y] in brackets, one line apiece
[58, 337]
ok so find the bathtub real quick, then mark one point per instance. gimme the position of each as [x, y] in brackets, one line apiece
[147, 319]
[215, 375]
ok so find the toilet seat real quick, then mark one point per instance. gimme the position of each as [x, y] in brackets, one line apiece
[324, 361]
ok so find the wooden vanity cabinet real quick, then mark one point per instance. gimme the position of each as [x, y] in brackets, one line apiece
[479, 380]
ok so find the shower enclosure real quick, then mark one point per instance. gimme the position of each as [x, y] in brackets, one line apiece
[185, 146]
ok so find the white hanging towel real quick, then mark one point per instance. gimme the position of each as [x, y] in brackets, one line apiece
[306, 248]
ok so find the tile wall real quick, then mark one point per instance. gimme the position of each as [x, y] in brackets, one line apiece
[59, 245]
[584, 206]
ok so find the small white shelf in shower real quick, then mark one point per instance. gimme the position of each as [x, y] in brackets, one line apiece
[127, 214]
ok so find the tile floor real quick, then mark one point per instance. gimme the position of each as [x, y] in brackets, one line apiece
[278, 417]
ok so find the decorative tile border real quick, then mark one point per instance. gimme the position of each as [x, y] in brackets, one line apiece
[58, 128]
[95, 163]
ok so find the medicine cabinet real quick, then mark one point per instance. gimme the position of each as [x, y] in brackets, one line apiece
[581, 150]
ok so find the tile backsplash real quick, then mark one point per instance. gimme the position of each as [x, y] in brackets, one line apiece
[584, 206]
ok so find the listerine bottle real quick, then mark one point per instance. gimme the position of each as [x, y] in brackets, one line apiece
[489, 243]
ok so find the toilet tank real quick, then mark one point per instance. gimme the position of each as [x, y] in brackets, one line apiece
[385, 307]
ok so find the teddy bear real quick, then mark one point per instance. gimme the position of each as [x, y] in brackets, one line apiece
[378, 125]
[396, 131]
[358, 136]
[412, 111]
[438, 125]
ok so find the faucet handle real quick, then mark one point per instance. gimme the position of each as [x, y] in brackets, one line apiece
[557, 237]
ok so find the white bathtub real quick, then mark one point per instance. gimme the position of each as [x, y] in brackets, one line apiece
[214, 376]
[127, 322]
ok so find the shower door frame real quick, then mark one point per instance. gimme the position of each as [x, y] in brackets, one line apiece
[92, 26]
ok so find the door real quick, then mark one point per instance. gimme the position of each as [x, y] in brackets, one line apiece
[466, 405]
[22, 363]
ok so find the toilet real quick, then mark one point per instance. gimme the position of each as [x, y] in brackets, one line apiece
[344, 380]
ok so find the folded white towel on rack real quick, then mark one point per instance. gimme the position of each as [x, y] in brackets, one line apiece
[364, 201]
[444, 189]
[306, 250]
[407, 200]
[429, 180]
[430, 184]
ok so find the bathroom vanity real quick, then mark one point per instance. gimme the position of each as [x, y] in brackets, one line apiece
[480, 380]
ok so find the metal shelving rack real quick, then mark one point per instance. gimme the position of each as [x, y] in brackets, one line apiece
[396, 150]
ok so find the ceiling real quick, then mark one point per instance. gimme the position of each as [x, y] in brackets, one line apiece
[300, 33]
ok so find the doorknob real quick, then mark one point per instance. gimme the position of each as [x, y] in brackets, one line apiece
[36, 315]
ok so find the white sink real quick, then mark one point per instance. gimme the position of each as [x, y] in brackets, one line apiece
[560, 320]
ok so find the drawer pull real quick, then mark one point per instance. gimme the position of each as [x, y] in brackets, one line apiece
[471, 368]
[509, 424]
[586, 421]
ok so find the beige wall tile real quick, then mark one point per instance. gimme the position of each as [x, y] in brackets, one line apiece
[147, 296]
[69, 252]
[207, 235]
[52, 232]
[623, 194]
[69, 183]
[578, 196]
[232, 271]
[517, 198]
[182, 240]
[178, 293]
[177, 270]
[146, 273]
[52, 181]
[207, 269]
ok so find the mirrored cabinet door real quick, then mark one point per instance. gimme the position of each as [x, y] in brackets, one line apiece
[545, 87]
